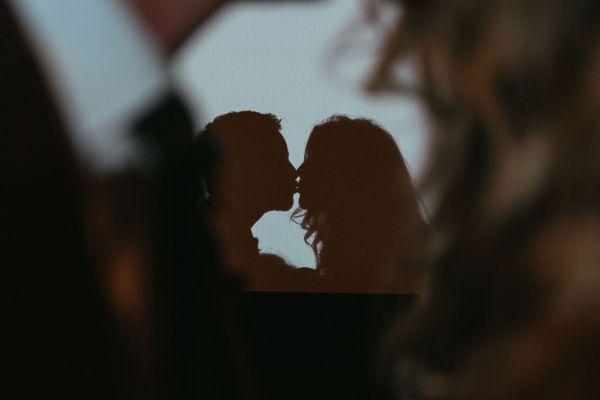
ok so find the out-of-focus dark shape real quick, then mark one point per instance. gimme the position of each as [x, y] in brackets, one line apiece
[117, 283]
[360, 209]
[512, 90]
[319, 345]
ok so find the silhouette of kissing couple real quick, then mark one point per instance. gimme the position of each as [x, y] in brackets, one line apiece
[357, 203]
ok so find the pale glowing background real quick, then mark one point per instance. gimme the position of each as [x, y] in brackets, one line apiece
[282, 59]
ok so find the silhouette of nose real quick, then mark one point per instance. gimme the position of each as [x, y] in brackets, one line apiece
[293, 170]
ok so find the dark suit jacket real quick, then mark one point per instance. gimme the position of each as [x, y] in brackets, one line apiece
[63, 340]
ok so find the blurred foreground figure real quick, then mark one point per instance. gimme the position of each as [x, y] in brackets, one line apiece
[359, 209]
[117, 286]
[513, 306]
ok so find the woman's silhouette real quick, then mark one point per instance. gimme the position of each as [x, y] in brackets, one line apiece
[359, 208]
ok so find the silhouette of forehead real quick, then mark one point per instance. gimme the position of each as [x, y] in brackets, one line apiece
[247, 133]
[341, 137]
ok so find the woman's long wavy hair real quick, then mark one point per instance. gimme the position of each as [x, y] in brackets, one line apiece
[513, 91]
[364, 206]
[512, 88]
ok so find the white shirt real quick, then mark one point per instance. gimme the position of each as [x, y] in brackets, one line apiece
[102, 70]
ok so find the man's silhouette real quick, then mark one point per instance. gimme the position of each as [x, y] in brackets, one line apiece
[250, 175]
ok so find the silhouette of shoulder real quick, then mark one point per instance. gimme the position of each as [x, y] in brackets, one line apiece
[274, 274]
